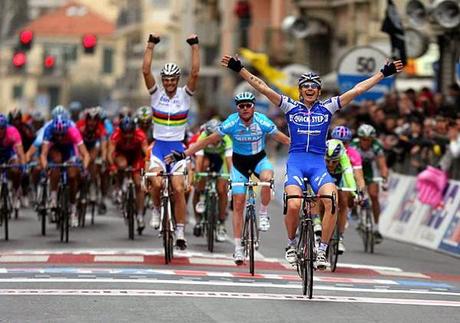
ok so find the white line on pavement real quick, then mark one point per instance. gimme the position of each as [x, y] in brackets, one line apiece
[221, 283]
[214, 294]
[23, 258]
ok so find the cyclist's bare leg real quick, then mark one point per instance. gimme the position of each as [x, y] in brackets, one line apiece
[155, 187]
[343, 202]
[291, 220]
[15, 174]
[198, 190]
[373, 190]
[139, 192]
[93, 153]
[56, 157]
[223, 200]
[121, 163]
[74, 174]
[329, 219]
[178, 185]
[265, 192]
[239, 202]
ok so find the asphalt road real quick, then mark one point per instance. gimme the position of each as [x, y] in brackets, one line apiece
[101, 276]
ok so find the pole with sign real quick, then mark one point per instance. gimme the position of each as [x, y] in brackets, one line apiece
[358, 64]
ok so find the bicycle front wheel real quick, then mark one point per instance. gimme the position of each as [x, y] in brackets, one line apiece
[334, 250]
[4, 212]
[130, 212]
[308, 259]
[252, 240]
[211, 215]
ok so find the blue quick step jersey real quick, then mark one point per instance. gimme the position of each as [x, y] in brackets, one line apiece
[308, 127]
[247, 140]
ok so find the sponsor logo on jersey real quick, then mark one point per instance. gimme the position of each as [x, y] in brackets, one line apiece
[303, 119]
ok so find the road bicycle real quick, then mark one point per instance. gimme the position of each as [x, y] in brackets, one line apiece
[5, 201]
[306, 250]
[209, 216]
[62, 212]
[250, 236]
[167, 220]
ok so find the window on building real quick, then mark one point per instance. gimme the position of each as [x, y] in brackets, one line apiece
[160, 4]
[17, 91]
[107, 61]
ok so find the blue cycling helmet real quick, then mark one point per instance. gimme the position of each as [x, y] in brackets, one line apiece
[60, 125]
[245, 97]
[342, 133]
[127, 124]
[59, 110]
[3, 121]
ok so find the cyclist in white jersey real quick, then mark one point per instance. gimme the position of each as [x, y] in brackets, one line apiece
[308, 121]
[170, 107]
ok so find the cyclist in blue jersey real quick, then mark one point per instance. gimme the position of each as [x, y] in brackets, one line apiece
[308, 120]
[248, 130]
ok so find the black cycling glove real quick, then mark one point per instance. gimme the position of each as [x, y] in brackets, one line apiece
[153, 39]
[192, 41]
[388, 69]
[235, 64]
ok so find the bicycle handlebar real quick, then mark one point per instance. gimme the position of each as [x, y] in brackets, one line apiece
[9, 166]
[212, 174]
[163, 174]
[64, 165]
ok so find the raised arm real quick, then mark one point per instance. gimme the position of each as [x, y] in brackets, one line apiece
[192, 40]
[234, 64]
[387, 70]
[147, 63]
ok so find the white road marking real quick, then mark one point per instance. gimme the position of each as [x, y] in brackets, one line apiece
[359, 266]
[212, 261]
[214, 294]
[24, 258]
[402, 274]
[119, 258]
[220, 283]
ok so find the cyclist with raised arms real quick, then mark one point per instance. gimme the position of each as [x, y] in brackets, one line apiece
[374, 166]
[339, 167]
[248, 130]
[213, 158]
[60, 142]
[170, 107]
[308, 121]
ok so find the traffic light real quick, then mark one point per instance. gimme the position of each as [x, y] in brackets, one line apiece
[19, 59]
[26, 38]
[49, 62]
[89, 43]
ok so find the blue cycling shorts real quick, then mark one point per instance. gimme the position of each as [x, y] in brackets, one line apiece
[238, 177]
[160, 150]
[309, 165]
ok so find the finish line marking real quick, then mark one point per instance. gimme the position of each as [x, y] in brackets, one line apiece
[212, 294]
[223, 283]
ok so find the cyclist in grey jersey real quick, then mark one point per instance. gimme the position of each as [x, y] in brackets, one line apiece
[315, 170]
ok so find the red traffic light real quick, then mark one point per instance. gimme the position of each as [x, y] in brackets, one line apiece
[89, 42]
[49, 62]
[26, 37]
[19, 59]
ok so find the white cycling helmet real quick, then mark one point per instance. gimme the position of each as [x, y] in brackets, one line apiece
[170, 69]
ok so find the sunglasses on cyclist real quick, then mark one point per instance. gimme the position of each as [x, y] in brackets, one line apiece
[243, 106]
[332, 161]
[313, 86]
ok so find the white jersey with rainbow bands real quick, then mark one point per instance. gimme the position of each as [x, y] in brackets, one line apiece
[170, 115]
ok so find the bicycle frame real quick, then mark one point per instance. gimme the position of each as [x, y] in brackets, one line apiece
[4, 195]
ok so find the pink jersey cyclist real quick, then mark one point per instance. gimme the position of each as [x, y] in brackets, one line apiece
[9, 142]
[355, 157]
[66, 144]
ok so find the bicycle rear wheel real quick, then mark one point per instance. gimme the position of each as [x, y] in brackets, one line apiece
[130, 212]
[334, 250]
[5, 213]
[211, 215]
[252, 239]
[66, 213]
